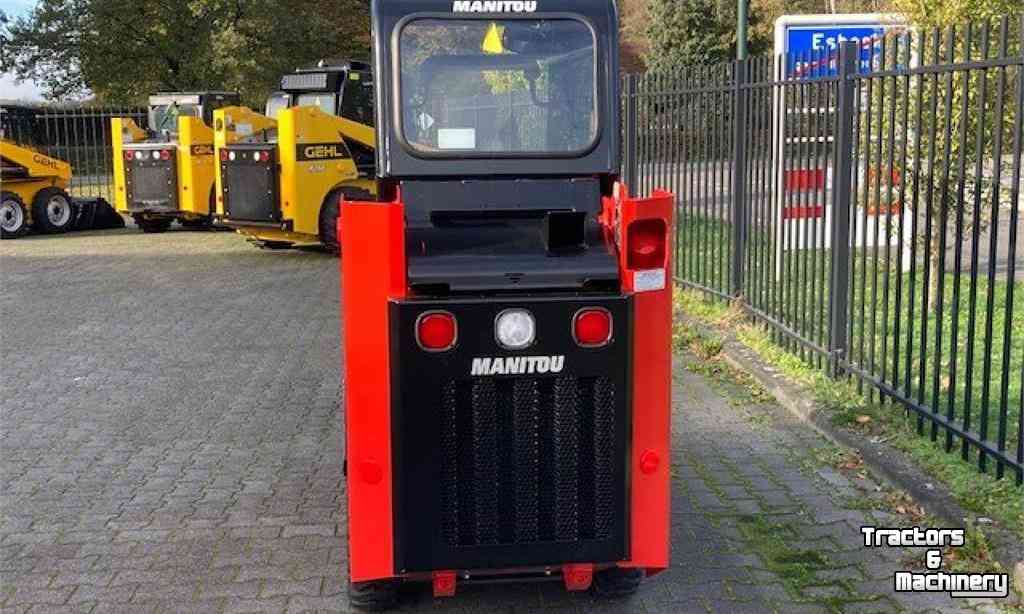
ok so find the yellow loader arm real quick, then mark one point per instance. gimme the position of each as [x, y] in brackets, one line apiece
[360, 133]
[231, 124]
[38, 165]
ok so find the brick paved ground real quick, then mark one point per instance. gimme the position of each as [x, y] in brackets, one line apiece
[169, 441]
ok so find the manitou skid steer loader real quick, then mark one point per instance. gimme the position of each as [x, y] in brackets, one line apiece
[166, 173]
[506, 309]
[281, 186]
[33, 194]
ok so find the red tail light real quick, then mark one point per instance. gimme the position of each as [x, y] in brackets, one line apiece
[128, 155]
[646, 244]
[436, 331]
[592, 327]
[264, 156]
[165, 154]
[223, 155]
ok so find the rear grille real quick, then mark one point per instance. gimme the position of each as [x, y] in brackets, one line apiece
[509, 471]
[152, 185]
[250, 188]
[527, 460]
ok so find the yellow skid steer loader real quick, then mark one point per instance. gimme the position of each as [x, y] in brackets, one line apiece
[33, 194]
[282, 185]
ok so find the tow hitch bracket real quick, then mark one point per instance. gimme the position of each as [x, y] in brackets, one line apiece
[578, 576]
[444, 584]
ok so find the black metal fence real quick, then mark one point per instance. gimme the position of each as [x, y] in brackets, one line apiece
[865, 205]
[77, 135]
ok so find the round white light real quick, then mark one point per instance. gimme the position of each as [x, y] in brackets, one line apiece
[156, 155]
[139, 155]
[231, 155]
[256, 156]
[515, 329]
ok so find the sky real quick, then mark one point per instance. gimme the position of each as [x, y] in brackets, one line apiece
[9, 89]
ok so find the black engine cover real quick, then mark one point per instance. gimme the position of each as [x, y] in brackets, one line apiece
[512, 463]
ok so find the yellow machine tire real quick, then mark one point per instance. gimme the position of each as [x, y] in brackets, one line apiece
[53, 211]
[328, 224]
[13, 216]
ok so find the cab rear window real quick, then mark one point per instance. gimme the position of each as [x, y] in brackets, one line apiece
[515, 86]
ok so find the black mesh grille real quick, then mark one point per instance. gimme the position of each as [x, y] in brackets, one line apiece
[509, 470]
[527, 460]
[250, 188]
[152, 185]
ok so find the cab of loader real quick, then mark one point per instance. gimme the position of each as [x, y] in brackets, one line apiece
[166, 107]
[502, 131]
[506, 310]
[335, 86]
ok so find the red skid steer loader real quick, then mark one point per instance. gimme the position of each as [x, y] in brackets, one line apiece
[506, 311]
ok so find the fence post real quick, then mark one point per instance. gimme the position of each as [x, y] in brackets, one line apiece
[842, 199]
[631, 165]
[738, 213]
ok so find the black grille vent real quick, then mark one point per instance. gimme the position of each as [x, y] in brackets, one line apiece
[250, 188]
[527, 460]
[152, 185]
[514, 470]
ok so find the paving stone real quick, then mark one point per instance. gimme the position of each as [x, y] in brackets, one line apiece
[190, 460]
[279, 588]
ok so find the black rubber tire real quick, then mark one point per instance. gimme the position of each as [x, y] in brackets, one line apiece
[375, 596]
[203, 223]
[161, 224]
[274, 245]
[18, 223]
[329, 214]
[617, 582]
[42, 215]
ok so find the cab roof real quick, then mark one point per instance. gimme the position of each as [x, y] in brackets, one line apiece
[325, 75]
[394, 159]
[162, 98]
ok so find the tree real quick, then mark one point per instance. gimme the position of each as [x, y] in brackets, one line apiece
[684, 33]
[122, 50]
[693, 32]
[942, 106]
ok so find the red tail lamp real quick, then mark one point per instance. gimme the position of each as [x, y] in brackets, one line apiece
[224, 155]
[128, 154]
[592, 327]
[436, 331]
[264, 156]
[165, 154]
[645, 243]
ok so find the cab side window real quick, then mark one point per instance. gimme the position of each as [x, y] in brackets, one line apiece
[357, 99]
[214, 103]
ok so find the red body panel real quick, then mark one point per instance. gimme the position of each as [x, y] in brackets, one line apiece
[373, 272]
[652, 393]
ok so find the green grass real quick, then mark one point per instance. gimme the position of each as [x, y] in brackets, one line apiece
[886, 330]
[802, 572]
[981, 494]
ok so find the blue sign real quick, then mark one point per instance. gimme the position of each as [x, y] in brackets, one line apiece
[813, 51]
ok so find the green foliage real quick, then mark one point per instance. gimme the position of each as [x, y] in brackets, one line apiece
[688, 32]
[120, 51]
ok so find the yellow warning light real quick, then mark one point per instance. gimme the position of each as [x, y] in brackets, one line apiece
[492, 40]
